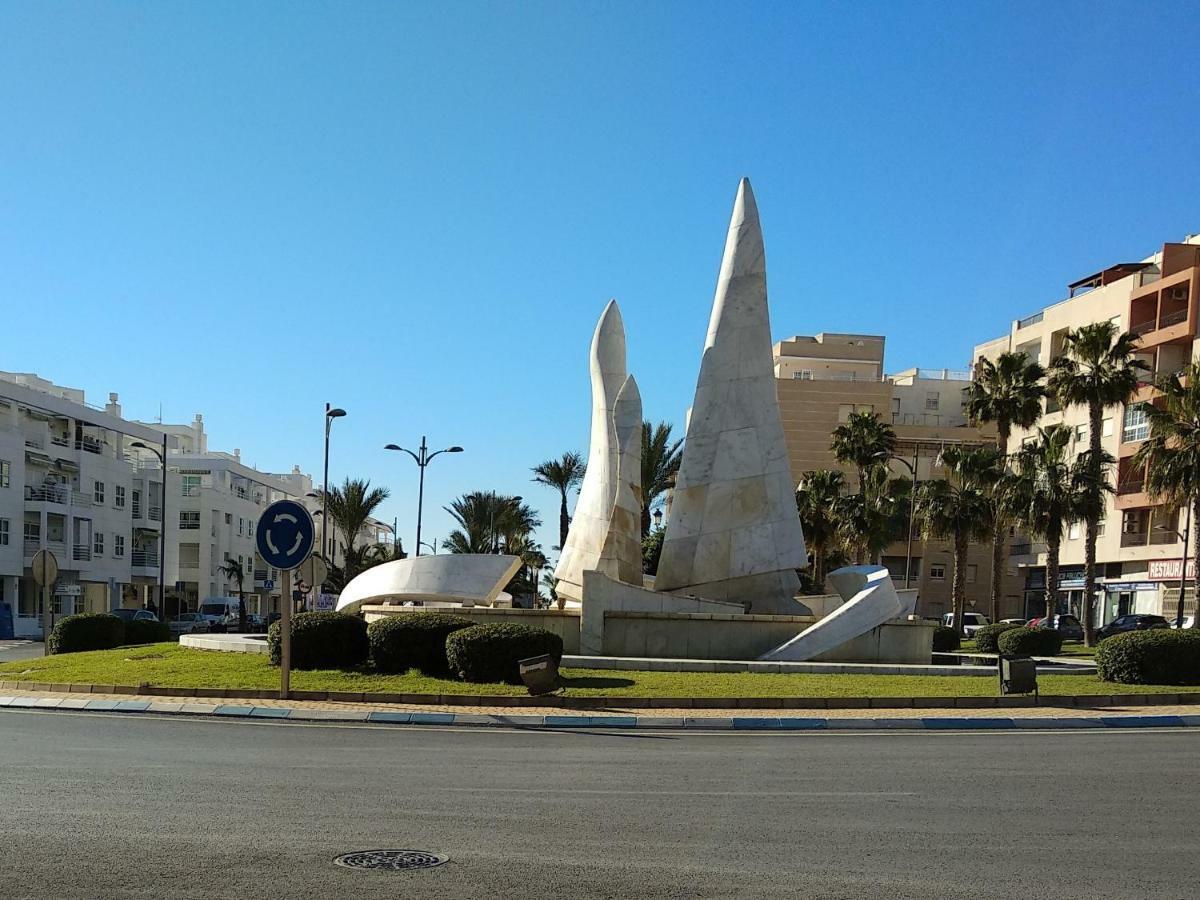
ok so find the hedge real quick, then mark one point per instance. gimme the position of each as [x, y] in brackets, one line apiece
[145, 631]
[946, 640]
[413, 641]
[322, 640]
[86, 631]
[490, 653]
[1025, 641]
[1157, 656]
[986, 638]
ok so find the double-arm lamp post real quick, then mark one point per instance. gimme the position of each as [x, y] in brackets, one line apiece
[912, 512]
[422, 458]
[162, 524]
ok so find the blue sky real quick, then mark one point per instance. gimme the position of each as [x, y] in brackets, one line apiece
[417, 212]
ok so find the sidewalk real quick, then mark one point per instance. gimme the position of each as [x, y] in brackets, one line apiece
[1039, 717]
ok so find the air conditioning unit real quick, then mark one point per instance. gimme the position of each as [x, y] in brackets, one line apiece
[1179, 293]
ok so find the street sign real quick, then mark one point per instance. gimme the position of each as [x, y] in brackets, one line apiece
[313, 571]
[269, 584]
[45, 568]
[285, 534]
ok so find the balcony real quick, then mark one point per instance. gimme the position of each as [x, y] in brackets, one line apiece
[47, 494]
[1027, 548]
[58, 548]
[144, 559]
[1131, 486]
[1134, 539]
[81, 552]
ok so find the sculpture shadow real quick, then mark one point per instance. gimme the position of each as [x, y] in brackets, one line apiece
[595, 682]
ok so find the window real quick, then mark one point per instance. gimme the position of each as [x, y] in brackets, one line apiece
[98, 544]
[228, 518]
[1106, 427]
[1073, 531]
[3, 532]
[5, 473]
[98, 491]
[803, 375]
[972, 573]
[1100, 528]
[931, 400]
[1081, 435]
[241, 525]
[33, 532]
[189, 485]
[189, 519]
[1135, 427]
[118, 545]
[937, 571]
[119, 496]
[250, 527]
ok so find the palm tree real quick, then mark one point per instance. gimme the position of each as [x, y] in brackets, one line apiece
[349, 507]
[357, 560]
[233, 570]
[562, 475]
[1046, 493]
[864, 440]
[486, 520]
[816, 501]
[1096, 370]
[875, 516]
[1009, 393]
[959, 509]
[660, 461]
[1171, 454]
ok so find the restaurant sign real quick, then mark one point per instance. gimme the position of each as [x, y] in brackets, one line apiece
[1170, 569]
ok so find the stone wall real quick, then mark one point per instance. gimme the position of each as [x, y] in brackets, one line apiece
[565, 624]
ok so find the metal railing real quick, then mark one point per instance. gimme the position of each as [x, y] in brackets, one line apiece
[1132, 486]
[60, 441]
[155, 514]
[79, 498]
[1173, 318]
[1144, 327]
[81, 552]
[90, 444]
[47, 493]
[144, 558]
[1030, 320]
[137, 509]
[189, 524]
[1133, 539]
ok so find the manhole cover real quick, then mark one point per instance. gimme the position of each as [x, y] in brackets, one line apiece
[394, 860]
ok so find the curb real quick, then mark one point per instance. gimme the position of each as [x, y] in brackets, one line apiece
[736, 723]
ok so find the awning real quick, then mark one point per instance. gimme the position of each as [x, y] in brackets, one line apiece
[67, 465]
[37, 458]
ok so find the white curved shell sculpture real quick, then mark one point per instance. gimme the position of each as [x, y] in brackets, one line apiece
[466, 578]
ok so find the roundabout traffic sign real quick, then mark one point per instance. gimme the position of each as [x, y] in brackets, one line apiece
[285, 534]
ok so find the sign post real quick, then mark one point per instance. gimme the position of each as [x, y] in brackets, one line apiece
[45, 573]
[285, 539]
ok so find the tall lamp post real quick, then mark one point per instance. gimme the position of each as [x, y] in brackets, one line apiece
[912, 511]
[422, 458]
[331, 413]
[162, 523]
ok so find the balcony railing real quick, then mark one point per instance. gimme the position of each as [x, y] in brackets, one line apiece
[155, 514]
[58, 441]
[1144, 327]
[137, 509]
[79, 498]
[1028, 548]
[81, 552]
[1030, 320]
[144, 558]
[1133, 539]
[47, 494]
[1131, 486]
[90, 444]
[1173, 318]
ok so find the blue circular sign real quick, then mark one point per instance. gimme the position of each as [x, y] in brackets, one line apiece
[285, 534]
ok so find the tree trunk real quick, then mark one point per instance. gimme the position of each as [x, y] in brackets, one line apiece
[1095, 422]
[1195, 560]
[564, 522]
[999, 538]
[1051, 581]
[819, 568]
[960, 579]
[645, 517]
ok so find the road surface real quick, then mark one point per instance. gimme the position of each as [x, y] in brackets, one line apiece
[109, 806]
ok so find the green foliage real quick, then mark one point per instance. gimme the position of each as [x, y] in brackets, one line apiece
[1024, 641]
[1158, 656]
[987, 638]
[652, 545]
[487, 520]
[144, 631]
[816, 502]
[660, 461]
[484, 653]
[86, 631]
[413, 641]
[946, 640]
[322, 640]
[562, 475]
[864, 441]
[1008, 392]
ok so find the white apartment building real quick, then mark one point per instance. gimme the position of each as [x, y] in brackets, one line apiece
[1139, 552]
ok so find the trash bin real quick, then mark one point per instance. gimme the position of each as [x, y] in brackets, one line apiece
[540, 674]
[1018, 675]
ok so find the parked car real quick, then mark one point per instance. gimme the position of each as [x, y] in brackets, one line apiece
[189, 623]
[1131, 622]
[255, 624]
[1013, 621]
[1068, 626]
[221, 612]
[132, 615]
[972, 622]
[1187, 621]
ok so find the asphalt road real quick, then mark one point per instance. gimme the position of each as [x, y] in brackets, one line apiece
[103, 806]
[21, 649]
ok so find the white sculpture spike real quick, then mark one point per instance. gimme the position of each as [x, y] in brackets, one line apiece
[733, 532]
[585, 540]
[621, 554]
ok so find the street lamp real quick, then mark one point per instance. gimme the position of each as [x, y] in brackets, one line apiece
[330, 415]
[658, 517]
[422, 458]
[432, 547]
[912, 511]
[162, 523]
[1183, 566]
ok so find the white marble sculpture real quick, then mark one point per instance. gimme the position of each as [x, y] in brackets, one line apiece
[585, 540]
[733, 532]
[621, 553]
[870, 600]
[468, 579]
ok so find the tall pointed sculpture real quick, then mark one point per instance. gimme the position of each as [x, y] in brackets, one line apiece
[733, 532]
[589, 526]
[621, 554]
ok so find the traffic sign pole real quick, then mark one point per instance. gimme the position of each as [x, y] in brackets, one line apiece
[284, 539]
[45, 573]
[285, 636]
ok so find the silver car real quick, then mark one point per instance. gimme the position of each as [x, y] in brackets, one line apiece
[189, 623]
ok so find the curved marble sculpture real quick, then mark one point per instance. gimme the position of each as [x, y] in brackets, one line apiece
[733, 533]
[585, 540]
[464, 578]
[870, 600]
[621, 553]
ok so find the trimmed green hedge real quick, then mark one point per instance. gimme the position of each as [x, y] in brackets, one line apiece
[1157, 656]
[987, 637]
[1025, 641]
[144, 631]
[946, 639]
[86, 631]
[322, 640]
[489, 653]
[413, 641]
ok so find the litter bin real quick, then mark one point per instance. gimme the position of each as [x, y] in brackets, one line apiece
[1018, 675]
[540, 674]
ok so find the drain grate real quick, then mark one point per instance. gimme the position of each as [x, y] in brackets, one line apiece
[393, 860]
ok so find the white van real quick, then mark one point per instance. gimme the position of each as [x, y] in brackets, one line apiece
[972, 622]
[220, 611]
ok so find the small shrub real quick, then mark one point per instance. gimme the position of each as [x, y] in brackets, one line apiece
[1158, 656]
[144, 631]
[413, 641]
[86, 631]
[487, 653]
[986, 638]
[1025, 641]
[946, 640]
[322, 640]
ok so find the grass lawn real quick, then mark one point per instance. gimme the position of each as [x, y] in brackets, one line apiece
[170, 665]
[1069, 650]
